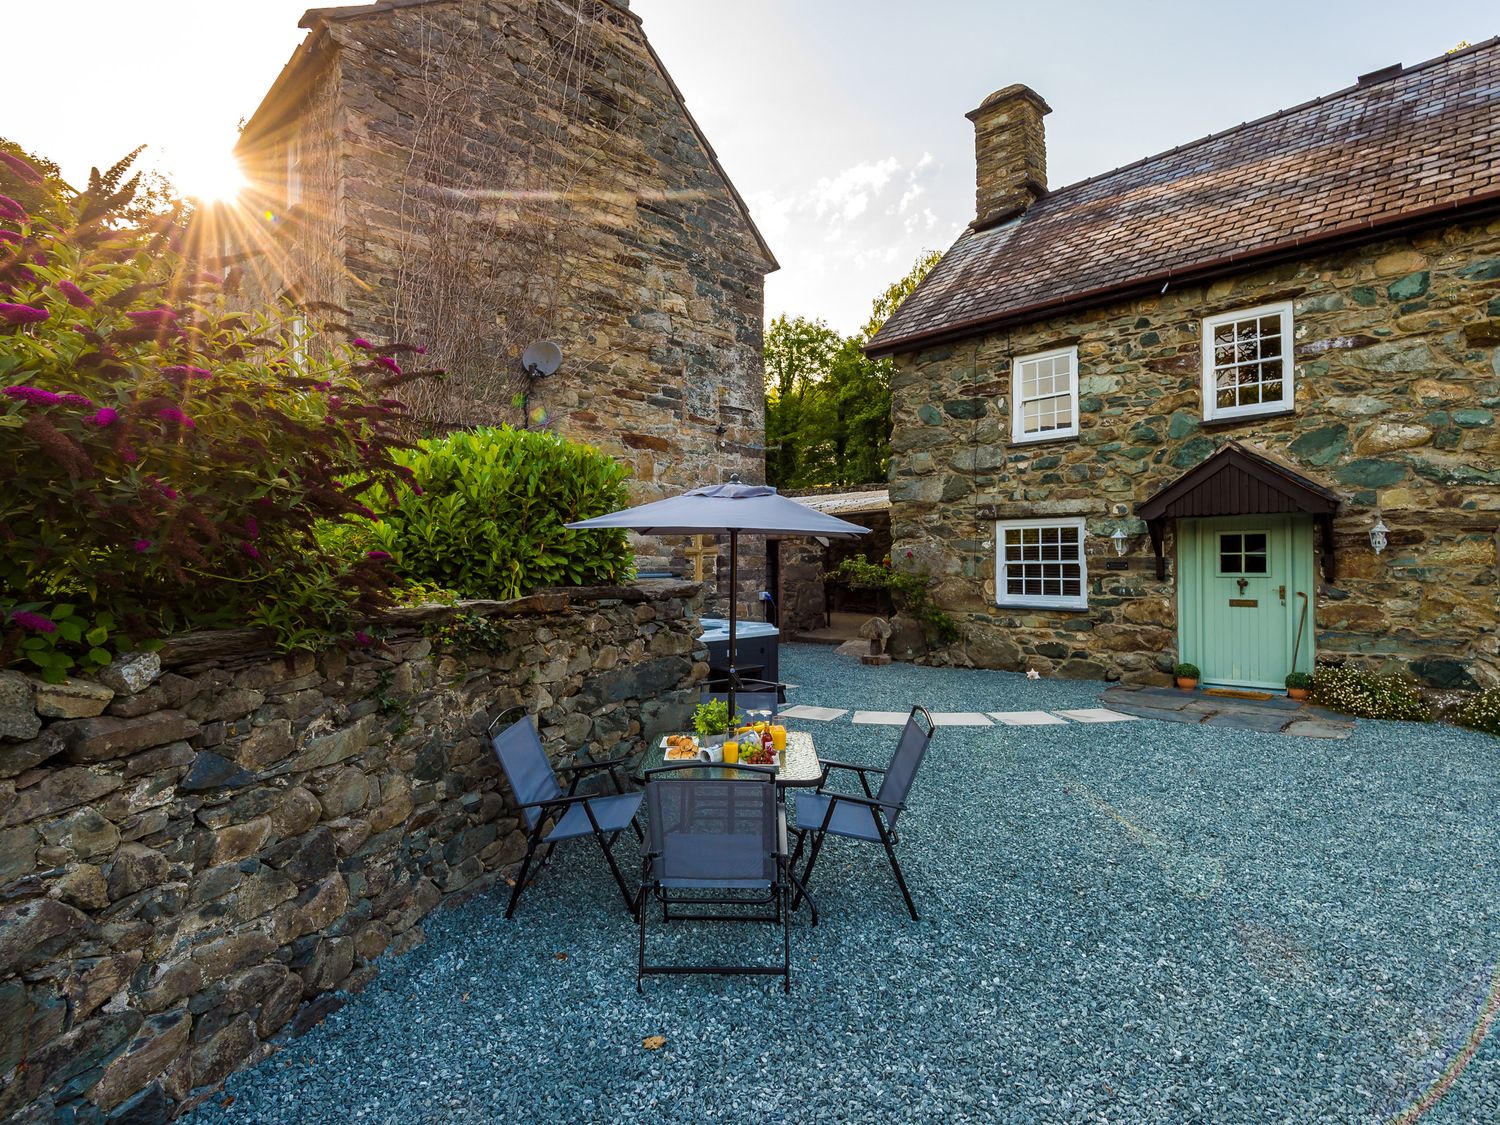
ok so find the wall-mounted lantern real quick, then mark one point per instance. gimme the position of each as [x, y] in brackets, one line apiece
[1120, 539]
[1379, 534]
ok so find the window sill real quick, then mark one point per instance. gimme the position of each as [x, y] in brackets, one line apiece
[1246, 419]
[1033, 608]
[1027, 443]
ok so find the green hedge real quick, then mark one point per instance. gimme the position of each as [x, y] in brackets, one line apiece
[484, 510]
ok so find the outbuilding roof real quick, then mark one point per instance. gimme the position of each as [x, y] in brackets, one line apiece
[1399, 148]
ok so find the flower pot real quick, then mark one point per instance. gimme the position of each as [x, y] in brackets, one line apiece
[1296, 693]
[1186, 684]
[706, 740]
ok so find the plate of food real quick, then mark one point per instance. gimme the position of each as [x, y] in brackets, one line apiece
[681, 748]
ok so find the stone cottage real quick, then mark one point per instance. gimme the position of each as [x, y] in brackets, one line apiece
[476, 175]
[1232, 404]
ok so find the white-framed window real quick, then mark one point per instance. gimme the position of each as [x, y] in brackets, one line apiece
[293, 170]
[1247, 362]
[1040, 563]
[1044, 396]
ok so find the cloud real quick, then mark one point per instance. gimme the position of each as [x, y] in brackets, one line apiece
[843, 237]
[847, 195]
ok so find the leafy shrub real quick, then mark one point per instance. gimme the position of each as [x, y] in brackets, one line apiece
[1187, 671]
[483, 514]
[1368, 696]
[1299, 680]
[910, 592]
[164, 459]
[1480, 711]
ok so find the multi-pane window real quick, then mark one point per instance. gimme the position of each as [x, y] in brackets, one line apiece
[1247, 362]
[1242, 552]
[1040, 563]
[1045, 394]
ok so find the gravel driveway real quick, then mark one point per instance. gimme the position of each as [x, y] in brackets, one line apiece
[1121, 922]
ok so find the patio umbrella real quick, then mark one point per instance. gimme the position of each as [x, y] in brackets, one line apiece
[719, 509]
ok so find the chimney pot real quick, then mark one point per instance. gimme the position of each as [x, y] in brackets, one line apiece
[1010, 154]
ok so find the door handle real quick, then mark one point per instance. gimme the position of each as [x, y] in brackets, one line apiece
[1282, 592]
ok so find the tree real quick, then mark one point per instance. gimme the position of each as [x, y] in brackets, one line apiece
[828, 405]
[885, 304]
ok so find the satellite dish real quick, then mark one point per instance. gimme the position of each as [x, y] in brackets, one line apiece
[541, 358]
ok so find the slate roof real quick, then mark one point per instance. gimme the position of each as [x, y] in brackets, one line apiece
[1401, 145]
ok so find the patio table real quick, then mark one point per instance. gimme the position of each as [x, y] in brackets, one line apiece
[802, 767]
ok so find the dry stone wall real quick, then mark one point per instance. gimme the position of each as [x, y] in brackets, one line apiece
[203, 852]
[1397, 390]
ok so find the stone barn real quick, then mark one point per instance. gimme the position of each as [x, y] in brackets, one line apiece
[476, 175]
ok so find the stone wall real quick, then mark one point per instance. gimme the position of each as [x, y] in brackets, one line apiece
[1397, 388]
[661, 283]
[202, 853]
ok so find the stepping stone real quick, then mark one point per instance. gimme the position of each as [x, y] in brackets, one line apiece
[1143, 712]
[959, 719]
[1266, 723]
[1317, 728]
[804, 711]
[1097, 715]
[1027, 719]
[881, 718]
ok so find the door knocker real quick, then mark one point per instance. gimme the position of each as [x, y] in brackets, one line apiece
[1242, 583]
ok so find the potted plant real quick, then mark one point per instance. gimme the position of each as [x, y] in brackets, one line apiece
[1187, 675]
[712, 722]
[1298, 684]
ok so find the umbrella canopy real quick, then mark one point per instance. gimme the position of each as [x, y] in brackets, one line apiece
[719, 509]
[716, 509]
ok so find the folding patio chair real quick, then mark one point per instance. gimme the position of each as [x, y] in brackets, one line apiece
[872, 817]
[553, 815]
[716, 837]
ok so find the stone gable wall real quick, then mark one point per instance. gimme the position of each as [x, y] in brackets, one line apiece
[197, 861]
[661, 323]
[1397, 390]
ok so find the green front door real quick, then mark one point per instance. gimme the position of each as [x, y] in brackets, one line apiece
[1244, 587]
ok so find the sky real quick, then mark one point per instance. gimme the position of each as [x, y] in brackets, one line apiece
[840, 121]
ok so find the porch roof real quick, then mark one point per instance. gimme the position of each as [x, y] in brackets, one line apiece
[1236, 481]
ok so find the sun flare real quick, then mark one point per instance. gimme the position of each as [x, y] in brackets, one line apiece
[207, 175]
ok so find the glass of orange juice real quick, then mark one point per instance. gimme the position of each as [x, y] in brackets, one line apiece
[731, 753]
[778, 737]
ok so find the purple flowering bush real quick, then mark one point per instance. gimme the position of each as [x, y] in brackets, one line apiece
[164, 457]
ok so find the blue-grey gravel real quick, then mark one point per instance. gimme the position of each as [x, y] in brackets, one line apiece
[1132, 922]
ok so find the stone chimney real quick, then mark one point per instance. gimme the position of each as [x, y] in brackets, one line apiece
[1010, 154]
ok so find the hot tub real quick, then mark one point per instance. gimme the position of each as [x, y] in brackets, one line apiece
[755, 645]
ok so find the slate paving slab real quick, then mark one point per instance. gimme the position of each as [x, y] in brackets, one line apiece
[881, 718]
[1027, 718]
[817, 714]
[1096, 715]
[959, 719]
[1275, 715]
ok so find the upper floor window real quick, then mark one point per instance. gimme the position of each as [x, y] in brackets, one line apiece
[1040, 563]
[1045, 396]
[1247, 362]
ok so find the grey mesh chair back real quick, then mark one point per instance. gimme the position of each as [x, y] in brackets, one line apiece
[713, 831]
[526, 767]
[716, 851]
[899, 775]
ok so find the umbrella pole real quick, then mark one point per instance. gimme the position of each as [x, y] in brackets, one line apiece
[734, 578]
